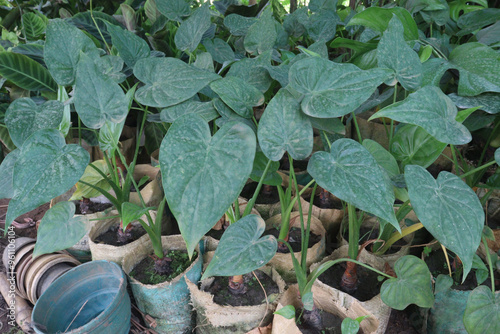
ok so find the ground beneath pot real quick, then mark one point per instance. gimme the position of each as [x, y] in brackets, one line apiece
[295, 238]
[254, 295]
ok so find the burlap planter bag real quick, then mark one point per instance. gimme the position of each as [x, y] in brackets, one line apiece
[218, 319]
[353, 308]
[101, 251]
[331, 218]
[282, 261]
[367, 256]
[324, 301]
[168, 302]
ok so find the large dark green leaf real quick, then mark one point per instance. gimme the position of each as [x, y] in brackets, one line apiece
[284, 128]
[262, 35]
[95, 24]
[448, 209]
[377, 18]
[482, 313]
[191, 31]
[62, 50]
[34, 25]
[411, 286]
[394, 53]
[322, 26]
[412, 145]
[332, 89]
[242, 249]
[174, 10]
[25, 72]
[431, 109]
[351, 173]
[7, 171]
[202, 175]
[169, 81]
[45, 168]
[204, 109]
[219, 49]
[59, 229]
[97, 97]
[320, 5]
[253, 71]
[238, 95]
[32, 50]
[477, 19]
[24, 117]
[489, 102]
[478, 66]
[433, 70]
[238, 25]
[490, 35]
[130, 46]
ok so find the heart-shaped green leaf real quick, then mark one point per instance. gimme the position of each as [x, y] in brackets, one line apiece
[478, 66]
[219, 49]
[97, 97]
[482, 313]
[412, 145]
[7, 171]
[169, 81]
[262, 35]
[238, 25]
[24, 117]
[351, 173]
[189, 34]
[489, 102]
[283, 127]
[202, 175]
[253, 71]
[174, 10]
[59, 229]
[431, 109]
[259, 165]
[288, 312]
[238, 95]
[130, 46]
[45, 168]
[394, 53]
[25, 72]
[385, 159]
[412, 286]
[63, 45]
[205, 109]
[332, 89]
[323, 25]
[448, 209]
[241, 248]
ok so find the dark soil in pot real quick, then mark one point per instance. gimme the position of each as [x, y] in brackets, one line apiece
[295, 238]
[110, 236]
[324, 204]
[216, 234]
[254, 295]
[269, 196]
[368, 284]
[367, 233]
[407, 321]
[83, 208]
[144, 271]
[326, 323]
[298, 165]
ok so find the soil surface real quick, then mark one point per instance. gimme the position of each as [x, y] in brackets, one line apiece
[216, 234]
[110, 236]
[264, 197]
[295, 238]
[254, 295]
[91, 207]
[407, 321]
[144, 271]
[366, 233]
[330, 323]
[368, 284]
[328, 204]
[298, 165]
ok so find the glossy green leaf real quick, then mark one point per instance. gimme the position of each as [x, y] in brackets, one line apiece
[97, 97]
[394, 53]
[436, 11]
[204, 109]
[448, 209]
[130, 47]
[377, 18]
[322, 26]
[109, 135]
[202, 175]
[478, 66]
[349, 326]
[238, 95]
[111, 66]
[433, 70]
[262, 35]
[431, 109]
[320, 5]
[132, 212]
[63, 45]
[259, 165]
[351, 173]
[24, 117]
[412, 145]
[191, 31]
[32, 50]
[34, 25]
[489, 102]
[204, 61]
[443, 283]
[284, 128]
[174, 10]
[356, 46]
[412, 286]
[242, 249]
[59, 229]
[95, 25]
[489, 35]
[288, 312]
[383, 157]
[332, 89]
[482, 313]
[238, 25]
[293, 23]
[7, 171]
[93, 177]
[253, 71]
[475, 20]
[25, 72]
[169, 81]
[219, 49]
[45, 168]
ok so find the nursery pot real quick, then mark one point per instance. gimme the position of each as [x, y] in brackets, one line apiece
[264, 209]
[225, 319]
[167, 302]
[90, 298]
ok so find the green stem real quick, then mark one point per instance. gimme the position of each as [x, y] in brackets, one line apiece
[490, 138]
[97, 27]
[358, 133]
[488, 258]
[455, 160]
[353, 231]
[478, 169]
[327, 140]
[251, 202]
[396, 236]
